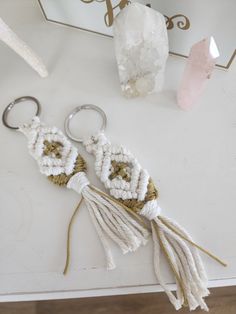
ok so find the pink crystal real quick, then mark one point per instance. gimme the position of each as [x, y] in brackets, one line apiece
[198, 70]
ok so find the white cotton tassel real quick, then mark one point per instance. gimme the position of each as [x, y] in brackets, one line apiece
[157, 267]
[185, 262]
[110, 219]
[109, 258]
[22, 49]
[183, 258]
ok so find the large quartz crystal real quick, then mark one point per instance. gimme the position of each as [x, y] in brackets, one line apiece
[141, 47]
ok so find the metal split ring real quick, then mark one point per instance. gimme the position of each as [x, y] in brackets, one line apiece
[13, 103]
[77, 110]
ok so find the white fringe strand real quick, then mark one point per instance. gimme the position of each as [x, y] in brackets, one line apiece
[186, 265]
[110, 219]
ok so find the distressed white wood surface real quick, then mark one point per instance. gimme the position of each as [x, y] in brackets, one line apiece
[191, 156]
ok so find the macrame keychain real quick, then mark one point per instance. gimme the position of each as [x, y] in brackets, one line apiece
[132, 186]
[60, 161]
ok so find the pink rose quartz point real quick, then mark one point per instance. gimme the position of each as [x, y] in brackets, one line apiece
[198, 70]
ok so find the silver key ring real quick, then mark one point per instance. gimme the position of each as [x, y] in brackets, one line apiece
[13, 103]
[77, 110]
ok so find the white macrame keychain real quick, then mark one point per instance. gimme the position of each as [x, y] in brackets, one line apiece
[60, 161]
[132, 186]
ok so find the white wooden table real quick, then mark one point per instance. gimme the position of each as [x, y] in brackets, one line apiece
[191, 156]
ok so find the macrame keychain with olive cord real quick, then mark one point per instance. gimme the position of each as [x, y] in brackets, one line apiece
[132, 186]
[60, 161]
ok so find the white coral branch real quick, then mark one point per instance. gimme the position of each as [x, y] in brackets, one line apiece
[22, 49]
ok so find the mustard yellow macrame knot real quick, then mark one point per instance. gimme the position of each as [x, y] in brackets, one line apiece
[52, 149]
[136, 205]
[62, 179]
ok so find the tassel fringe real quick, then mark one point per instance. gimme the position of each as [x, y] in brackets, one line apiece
[185, 262]
[110, 219]
[115, 221]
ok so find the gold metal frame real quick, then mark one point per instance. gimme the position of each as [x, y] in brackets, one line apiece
[87, 30]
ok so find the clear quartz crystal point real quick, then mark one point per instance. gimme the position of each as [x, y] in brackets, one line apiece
[141, 48]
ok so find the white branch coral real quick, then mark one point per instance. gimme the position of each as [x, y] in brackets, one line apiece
[22, 49]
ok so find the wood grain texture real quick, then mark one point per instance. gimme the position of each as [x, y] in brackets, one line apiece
[221, 300]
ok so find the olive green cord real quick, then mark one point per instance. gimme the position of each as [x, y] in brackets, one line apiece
[217, 259]
[177, 276]
[69, 236]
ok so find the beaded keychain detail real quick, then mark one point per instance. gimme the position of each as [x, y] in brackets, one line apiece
[60, 161]
[132, 186]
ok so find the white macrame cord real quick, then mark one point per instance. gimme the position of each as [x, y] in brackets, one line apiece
[129, 183]
[59, 160]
